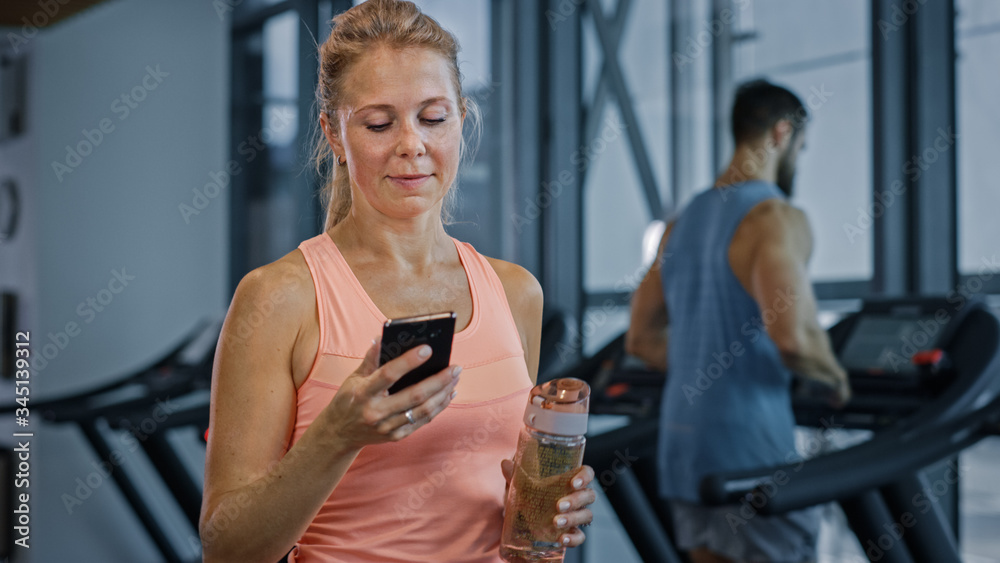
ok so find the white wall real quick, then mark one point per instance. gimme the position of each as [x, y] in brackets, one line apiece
[117, 210]
[18, 256]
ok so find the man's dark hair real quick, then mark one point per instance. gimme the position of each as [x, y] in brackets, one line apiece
[759, 105]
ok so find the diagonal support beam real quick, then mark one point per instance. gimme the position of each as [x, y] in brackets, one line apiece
[596, 110]
[620, 90]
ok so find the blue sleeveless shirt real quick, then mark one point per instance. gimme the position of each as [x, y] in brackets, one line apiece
[726, 404]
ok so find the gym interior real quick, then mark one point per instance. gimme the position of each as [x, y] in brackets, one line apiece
[153, 153]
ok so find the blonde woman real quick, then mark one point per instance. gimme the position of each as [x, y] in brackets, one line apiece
[307, 451]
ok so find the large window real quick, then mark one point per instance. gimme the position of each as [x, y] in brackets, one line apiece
[621, 167]
[680, 62]
[469, 21]
[977, 37]
[820, 50]
[271, 204]
[273, 208]
[615, 210]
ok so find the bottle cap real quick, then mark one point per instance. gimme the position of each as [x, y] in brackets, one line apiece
[559, 407]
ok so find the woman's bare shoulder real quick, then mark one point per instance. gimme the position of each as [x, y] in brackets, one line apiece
[282, 289]
[524, 293]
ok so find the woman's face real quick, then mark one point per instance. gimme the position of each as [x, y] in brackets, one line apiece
[400, 130]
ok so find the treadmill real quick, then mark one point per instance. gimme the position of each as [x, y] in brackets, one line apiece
[924, 376]
[920, 373]
[152, 406]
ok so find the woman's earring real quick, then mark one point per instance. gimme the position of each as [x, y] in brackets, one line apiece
[340, 162]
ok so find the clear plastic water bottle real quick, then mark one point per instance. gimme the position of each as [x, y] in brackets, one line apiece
[549, 453]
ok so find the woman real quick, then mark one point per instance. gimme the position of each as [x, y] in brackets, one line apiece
[307, 449]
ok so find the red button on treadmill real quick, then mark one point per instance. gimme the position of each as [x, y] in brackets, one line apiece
[928, 357]
[616, 390]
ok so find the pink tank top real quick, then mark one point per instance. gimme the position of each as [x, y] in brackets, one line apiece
[436, 495]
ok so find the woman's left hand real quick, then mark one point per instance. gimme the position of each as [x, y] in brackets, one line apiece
[572, 511]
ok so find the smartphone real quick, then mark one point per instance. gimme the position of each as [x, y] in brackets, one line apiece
[400, 335]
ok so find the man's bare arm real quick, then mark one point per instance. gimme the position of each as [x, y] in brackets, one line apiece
[778, 280]
[646, 338]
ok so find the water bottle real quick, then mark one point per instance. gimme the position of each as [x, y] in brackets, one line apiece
[549, 453]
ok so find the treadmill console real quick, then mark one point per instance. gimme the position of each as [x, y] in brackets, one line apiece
[897, 354]
[887, 345]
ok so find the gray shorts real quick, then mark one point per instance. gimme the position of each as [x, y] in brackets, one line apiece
[737, 532]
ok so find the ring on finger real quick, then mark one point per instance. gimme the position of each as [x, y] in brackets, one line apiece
[409, 416]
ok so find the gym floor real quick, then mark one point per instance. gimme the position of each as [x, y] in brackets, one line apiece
[981, 503]
[980, 519]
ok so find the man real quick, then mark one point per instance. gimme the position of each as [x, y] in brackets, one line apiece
[730, 284]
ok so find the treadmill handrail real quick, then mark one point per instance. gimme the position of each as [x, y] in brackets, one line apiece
[115, 386]
[848, 472]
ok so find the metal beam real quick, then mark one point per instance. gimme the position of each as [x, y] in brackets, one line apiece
[311, 222]
[517, 117]
[245, 23]
[682, 104]
[632, 130]
[595, 113]
[891, 93]
[722, 83]
[246, 78]
[560, 199]
[933, 150]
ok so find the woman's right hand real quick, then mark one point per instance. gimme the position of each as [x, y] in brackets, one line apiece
[364, 413]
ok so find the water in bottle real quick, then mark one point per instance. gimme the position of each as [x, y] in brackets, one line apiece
[549, 453]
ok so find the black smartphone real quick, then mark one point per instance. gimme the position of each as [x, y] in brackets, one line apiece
[400, 335]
